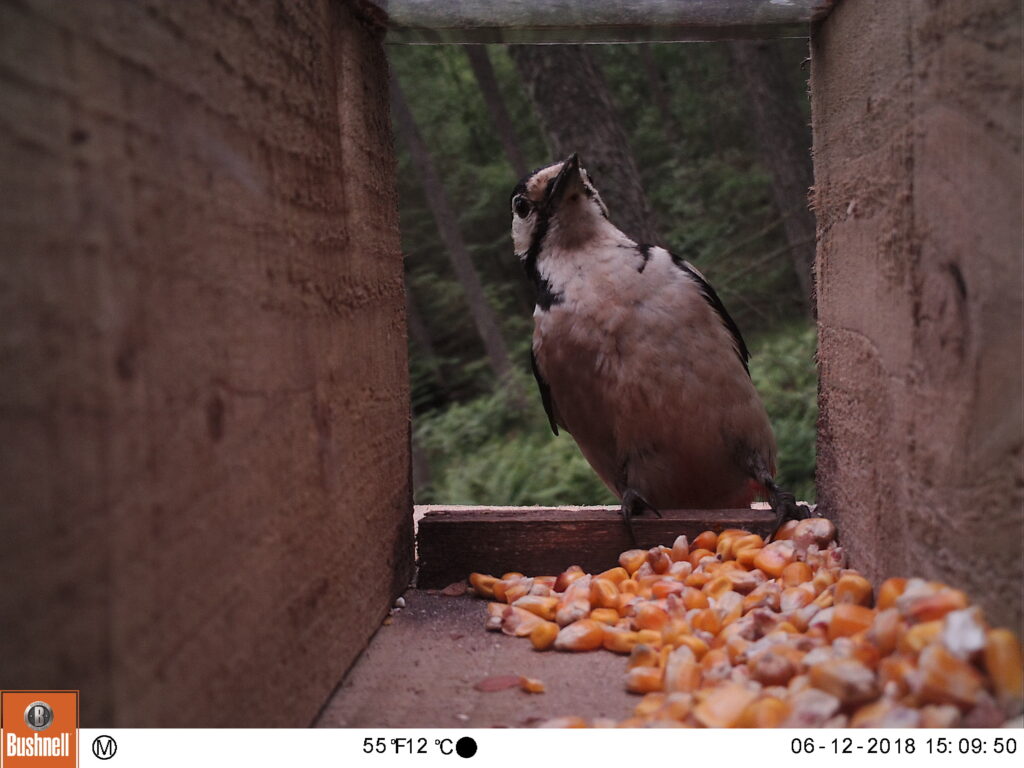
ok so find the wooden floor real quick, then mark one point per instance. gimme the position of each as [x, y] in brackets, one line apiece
[420, 672]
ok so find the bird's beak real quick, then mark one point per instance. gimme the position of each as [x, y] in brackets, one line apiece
[567, 178]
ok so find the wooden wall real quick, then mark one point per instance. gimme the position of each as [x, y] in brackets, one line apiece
[917, 147]
[204, 470]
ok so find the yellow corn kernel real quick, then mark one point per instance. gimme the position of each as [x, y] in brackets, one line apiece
[615, 575]
[531, 685]
[644, 679]
[649, 637]
[708, 621]
[936, 606]
[604, 594]
[629, 587]
[680, 549]
[768, 712]
[607, 616]
[707, 540]
[632, 559]
[717, 587]
[823, 579]
[746, 557]
[542, 636]
[889, 591]
[723, 706]
[694, 598]
[649, 704]
[545, 607]
[772, 667]
[482, 584]
[945, 679]
[514, 590]
[919, 636]
[696, 555]
[786, 531]
[659, 560]
[619, 640]
[662, 588]
[582, 635]
[795, 574]
[567, 577]
[1003, 664]
[849, 619]
[694, 643]
[774, 557]
[650, 616]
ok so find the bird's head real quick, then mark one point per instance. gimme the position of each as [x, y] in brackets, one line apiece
[556, 205]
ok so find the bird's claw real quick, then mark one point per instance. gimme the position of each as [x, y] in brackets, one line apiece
[786, 508]
[634, 504]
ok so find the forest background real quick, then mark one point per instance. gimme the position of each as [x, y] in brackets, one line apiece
[703, 148]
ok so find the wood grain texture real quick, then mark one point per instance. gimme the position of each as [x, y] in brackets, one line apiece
[918, 193]
[454, 542]
[204, 402]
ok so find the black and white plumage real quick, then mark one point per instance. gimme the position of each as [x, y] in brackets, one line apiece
[637, 358]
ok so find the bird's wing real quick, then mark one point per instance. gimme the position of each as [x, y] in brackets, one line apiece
[545, 393]
[716, 304]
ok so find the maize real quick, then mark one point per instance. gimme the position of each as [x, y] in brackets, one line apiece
[543, 635]
[727, 630]
[582, 635]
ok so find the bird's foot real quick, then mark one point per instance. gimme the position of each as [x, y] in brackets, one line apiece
[785, 506]
[634, 504]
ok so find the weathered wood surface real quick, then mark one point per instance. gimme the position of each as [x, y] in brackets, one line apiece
[596, 21]
[203, 399]
[918, 193]
[453, 542]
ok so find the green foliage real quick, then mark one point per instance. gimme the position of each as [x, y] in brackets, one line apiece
[714, 206]
[784, 372]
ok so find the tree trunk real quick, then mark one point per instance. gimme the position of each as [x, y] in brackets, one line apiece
[656, 86]
[484, 72]
[420, 334]
[575, 107]
[784, 140]
[447, 226]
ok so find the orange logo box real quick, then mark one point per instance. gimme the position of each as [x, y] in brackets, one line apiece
[39, 729]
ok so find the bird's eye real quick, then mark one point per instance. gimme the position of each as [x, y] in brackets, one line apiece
[521, 206]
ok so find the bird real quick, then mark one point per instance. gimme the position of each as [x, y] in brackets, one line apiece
[637, 358]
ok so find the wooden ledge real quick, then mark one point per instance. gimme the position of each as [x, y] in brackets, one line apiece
[453, 541]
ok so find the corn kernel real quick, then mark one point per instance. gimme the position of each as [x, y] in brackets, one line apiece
[1003, 664]
[723, 706]
[650, 616]
[545, 607]
[543, 635]
[632, 559]
[615, 575]
[919, 636]
[890, 590]
[849, 619]
[774, 557]
[482, 584]
[795, 574]
[604, 594]
[768, 712]
[607, 616]
[582, 635]
[945, 679]
[644, 679]
[567, 577]
[619, 640]
[531, 685]
[680, 549]
[649, 704]
[707, 540]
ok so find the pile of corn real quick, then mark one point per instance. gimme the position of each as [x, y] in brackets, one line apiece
[730, 631]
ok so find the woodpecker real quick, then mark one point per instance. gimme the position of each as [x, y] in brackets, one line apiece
[637, 358]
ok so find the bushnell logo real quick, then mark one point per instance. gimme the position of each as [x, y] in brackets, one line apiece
[38, 729]
[38, 715]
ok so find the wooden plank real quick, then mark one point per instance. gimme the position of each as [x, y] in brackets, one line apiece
[455, 541]
[204, 505]
[596, 21]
